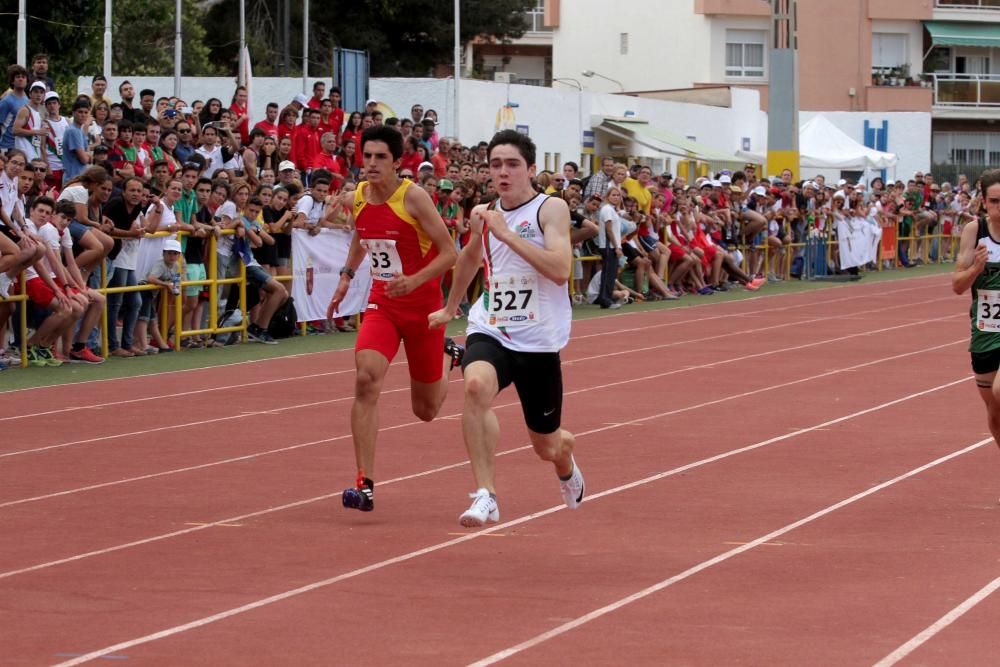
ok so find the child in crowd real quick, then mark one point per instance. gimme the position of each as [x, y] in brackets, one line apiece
[166, 273]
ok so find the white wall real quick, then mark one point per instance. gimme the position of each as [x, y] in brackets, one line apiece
[909, 138]
[667, 44]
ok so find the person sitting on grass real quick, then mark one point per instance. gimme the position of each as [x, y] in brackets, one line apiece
[622, 293]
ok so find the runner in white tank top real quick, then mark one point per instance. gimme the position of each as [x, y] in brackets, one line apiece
[521, 308]
[518, 327]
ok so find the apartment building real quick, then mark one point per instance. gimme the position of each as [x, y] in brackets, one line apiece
[526, 60]
[856, 58]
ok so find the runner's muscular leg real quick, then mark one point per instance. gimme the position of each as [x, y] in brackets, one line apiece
[556, 447]
[428, 397]
[480, 427]
[991, 397]
[371, 370]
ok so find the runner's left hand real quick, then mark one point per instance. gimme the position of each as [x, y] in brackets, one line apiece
[399, 286]
[496, 224]
[439, 318]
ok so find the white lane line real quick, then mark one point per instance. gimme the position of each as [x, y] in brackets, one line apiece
[933, 629]
[777, 309]
[704, 565]
[702, 339]
[193, 392]
[229, 613]
[601, 317]
[586, 390]
[601, 429]
[456, 415]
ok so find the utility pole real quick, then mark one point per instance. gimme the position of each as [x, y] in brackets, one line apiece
[783, 90]
[286, 47]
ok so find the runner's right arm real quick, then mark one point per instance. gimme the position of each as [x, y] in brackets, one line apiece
[469, 261]
[971, 260]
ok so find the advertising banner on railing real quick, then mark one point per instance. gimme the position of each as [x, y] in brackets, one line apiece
[859, 239]
[316, 262]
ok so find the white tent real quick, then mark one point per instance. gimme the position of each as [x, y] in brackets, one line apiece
[822, 145]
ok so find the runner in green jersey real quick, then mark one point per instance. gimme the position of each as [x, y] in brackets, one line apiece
[978, 267]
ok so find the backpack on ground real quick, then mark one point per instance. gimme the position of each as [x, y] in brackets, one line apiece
[283, 322]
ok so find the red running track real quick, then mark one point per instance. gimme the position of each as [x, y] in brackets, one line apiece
[791, 479]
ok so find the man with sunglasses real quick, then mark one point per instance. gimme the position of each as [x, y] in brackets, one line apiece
[185, 141]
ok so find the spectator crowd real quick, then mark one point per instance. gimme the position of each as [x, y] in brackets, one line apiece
[136, 187]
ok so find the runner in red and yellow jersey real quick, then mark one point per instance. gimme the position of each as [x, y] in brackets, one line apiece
[401, 237]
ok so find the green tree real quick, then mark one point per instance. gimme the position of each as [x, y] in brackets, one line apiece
[71, 32]
[403, 37]
[144, 39]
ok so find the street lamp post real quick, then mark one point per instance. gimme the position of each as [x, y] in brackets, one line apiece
[568, 80]
[591, 73]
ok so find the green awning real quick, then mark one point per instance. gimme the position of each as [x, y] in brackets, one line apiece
[947, 33]
[664, 141]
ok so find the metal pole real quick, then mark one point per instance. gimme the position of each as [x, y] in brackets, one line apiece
[458, 64]
[305, 47]
[22, 33]
[178, 46]
[243, 42]
[286, 49]
[107, 38]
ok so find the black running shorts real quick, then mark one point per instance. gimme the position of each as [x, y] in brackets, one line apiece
[537, 377]
[985, 363]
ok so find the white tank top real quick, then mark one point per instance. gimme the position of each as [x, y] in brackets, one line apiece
[54, 143]
[30, 145]
[519, 307]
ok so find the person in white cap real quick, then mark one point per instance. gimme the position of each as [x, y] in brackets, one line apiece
[286, 172]
[300, 102]
[29, 128]
[166, 273]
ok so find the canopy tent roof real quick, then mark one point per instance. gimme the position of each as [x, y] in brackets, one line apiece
[947, 33]
[822, 145]
[664, 141]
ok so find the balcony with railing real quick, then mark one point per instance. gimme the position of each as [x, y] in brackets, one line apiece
[966, 91]
[974, 11]
[967, 4]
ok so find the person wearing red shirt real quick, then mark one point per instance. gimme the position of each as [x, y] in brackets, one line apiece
[319, 93]
[440, 158]
[366, 122]
[289, 118]
[241, 115]
[327, 159]
[352, 132]
[337, 115]
[327, 122]
[270, 122]
[411, 158]
[305, 140]
[345, 158]
[400, 237]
